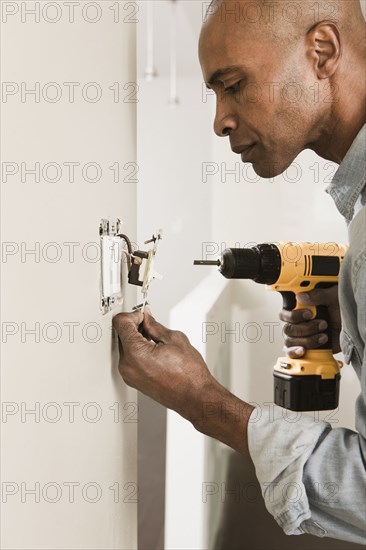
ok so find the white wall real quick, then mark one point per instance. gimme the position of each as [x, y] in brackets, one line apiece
[38, 451]
[171, 144]
[170, 196]
[193, 459]
[172, 141]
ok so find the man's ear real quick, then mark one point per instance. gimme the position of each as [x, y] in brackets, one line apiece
[324, 48]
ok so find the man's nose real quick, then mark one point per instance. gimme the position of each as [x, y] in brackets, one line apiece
[225, 120]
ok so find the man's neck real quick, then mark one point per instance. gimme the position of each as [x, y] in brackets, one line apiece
[347, 117]
[338, 142]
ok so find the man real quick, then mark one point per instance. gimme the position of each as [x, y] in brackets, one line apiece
[315, 51]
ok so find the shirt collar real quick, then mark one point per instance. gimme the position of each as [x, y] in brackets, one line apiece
[349, 180]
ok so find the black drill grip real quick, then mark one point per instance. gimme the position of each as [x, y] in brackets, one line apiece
[322, 312]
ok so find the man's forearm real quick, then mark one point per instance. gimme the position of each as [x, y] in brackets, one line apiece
[221, 415]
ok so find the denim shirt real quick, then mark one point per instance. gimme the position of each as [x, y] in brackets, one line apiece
[312, 476]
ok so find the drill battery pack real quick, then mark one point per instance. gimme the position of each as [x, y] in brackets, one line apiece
[306, 392]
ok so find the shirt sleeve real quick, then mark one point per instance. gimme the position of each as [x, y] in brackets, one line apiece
[312, 476]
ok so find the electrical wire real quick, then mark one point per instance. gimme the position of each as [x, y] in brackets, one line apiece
[129, 248]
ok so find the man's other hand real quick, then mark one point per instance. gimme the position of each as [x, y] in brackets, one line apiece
[302, 333]
[161, 363]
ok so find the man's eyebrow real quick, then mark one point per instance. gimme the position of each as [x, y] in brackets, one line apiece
[215, 77]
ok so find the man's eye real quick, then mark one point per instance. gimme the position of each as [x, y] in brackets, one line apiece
[235, 88]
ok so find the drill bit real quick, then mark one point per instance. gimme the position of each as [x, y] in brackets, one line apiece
[206, 262]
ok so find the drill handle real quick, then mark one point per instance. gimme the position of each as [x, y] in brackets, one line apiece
[319, 312]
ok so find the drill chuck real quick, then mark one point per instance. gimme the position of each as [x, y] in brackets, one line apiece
[260, 263]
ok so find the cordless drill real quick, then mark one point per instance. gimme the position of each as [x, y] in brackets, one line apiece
[311, 382]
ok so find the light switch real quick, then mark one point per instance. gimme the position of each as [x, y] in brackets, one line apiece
[111, 261]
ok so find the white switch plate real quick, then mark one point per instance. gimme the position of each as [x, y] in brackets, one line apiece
[111, 260]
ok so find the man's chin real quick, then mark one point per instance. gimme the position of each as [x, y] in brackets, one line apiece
[269, 169]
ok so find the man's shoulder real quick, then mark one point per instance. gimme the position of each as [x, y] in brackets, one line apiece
[357, 230]
[357, 248]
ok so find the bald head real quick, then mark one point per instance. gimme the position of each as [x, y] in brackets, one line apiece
[286, 20]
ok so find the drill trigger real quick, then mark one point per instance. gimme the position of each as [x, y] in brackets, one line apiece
[289, 300]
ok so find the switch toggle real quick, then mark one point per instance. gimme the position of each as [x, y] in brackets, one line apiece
[144, 262]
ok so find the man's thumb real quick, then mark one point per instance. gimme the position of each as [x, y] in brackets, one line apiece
[127, 321]
[316, 297]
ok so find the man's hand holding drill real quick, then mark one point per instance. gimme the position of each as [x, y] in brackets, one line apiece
[301, 332]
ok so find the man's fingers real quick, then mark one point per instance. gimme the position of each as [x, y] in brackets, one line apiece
[296, 316]
[127, 327]
[124, 319]
[318, 296]
[120, 348]
[303, 332]
[310, 342]
[154, 330]
[295, 352]
[304, 329]
[161, 334]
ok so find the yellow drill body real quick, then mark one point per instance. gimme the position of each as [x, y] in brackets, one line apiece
[312, 381]
[306, 266]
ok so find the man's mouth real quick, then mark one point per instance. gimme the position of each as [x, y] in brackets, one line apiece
[240, 149]
[245, 153]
